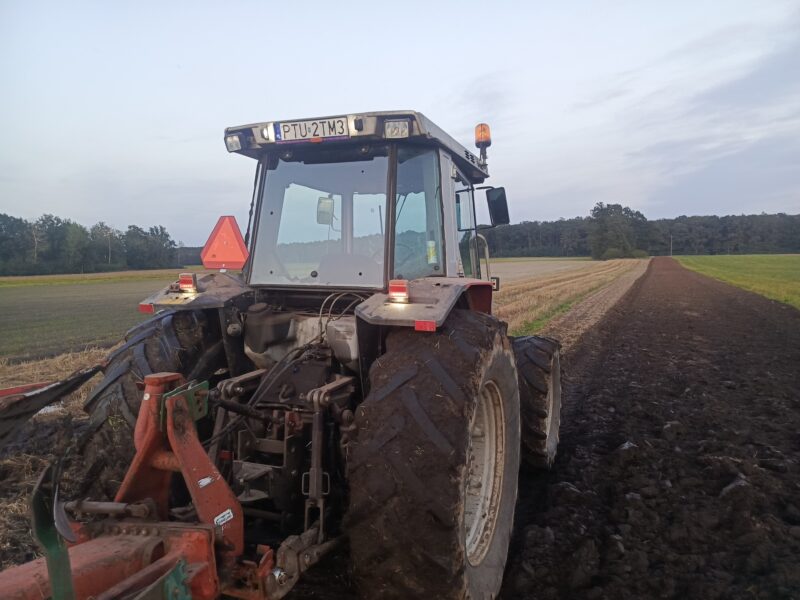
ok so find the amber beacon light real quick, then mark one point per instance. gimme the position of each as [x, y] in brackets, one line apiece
[483, 139]
[483, 135]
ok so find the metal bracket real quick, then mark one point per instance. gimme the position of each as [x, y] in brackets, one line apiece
[196, 397]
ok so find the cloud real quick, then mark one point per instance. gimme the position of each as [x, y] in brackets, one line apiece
[761, 176]
[603, 97]
[485, 98]
[772, 80]
[729, 146]
[703, 51]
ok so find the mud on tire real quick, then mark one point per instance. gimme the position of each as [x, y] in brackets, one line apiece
[539, 370]
[172, 341]
[408, 467]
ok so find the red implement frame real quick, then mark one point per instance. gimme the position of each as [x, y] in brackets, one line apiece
[157, 458]
[118, 558]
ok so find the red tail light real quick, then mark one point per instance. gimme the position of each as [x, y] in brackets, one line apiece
[147, 308]
[424, 325]
[187, 282]
[398, 290]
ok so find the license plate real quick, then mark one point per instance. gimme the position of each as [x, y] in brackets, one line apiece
[298, 131]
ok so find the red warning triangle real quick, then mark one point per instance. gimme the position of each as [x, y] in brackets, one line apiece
[225, 247]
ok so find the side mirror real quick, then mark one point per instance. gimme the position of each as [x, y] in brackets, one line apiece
[325, 210]
[498, 206]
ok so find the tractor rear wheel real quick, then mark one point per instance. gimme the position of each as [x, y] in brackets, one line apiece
[433, 469]
[180, 342]
[539, 370]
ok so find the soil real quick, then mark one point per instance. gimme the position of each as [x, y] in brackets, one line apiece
[40, 441]
[678, 473]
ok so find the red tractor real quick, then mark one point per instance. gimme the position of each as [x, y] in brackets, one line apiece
[351, 383]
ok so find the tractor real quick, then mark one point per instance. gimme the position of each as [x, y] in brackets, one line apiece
[336, 375]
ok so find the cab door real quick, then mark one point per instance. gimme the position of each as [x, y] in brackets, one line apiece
[462, 244]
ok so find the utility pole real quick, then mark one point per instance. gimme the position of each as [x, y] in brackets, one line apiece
[108, 235]
[670, 244]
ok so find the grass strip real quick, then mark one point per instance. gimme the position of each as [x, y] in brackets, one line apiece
[776, 276]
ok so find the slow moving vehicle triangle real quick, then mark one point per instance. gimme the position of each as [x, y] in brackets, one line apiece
[225, 247]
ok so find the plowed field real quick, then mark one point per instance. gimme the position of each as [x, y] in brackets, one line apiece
[678, 474]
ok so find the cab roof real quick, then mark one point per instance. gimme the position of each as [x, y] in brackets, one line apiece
[254, 139]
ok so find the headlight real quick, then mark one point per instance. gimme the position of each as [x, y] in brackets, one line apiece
[395, 129]
[233, 143]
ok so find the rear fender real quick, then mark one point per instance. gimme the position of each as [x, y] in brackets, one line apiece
[214, 290]
[430, 301]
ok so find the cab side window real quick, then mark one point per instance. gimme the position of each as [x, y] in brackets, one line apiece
[418, 250]
[465, 221]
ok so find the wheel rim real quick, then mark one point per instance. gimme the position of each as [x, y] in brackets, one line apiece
[484, 481]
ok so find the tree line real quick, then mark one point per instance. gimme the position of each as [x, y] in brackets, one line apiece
[54, 245]
[616, 231]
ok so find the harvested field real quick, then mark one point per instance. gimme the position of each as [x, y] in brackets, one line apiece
[43, 439]
[50, 369]
[583, 314]
[517, 269]
[527, 305]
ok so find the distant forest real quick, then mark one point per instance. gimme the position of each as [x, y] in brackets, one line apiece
[612, 231]
[54, 245]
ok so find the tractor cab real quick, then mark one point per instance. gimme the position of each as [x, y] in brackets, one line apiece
[355, 201]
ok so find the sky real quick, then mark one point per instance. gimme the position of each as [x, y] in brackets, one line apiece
[115, 111]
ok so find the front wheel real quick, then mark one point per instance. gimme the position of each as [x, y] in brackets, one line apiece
[433, 469]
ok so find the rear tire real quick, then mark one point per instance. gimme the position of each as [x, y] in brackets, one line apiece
[433, 469]
[170, 342]
[539, 369]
